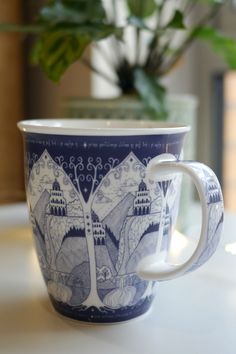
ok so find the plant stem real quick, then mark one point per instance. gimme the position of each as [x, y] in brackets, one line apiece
[153, 47]
[188, 41]
[87, 63]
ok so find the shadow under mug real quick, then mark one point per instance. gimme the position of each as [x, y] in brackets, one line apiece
[103, 199]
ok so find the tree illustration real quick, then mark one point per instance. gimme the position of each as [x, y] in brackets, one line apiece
[87, 175]
[103, 273]
[164, 185]
[90, 176]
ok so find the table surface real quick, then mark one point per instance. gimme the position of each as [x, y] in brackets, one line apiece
[191, 315]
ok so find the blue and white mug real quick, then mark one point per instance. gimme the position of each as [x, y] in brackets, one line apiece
[103, 199]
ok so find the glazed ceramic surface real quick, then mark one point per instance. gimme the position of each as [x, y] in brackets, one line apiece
[97, 213]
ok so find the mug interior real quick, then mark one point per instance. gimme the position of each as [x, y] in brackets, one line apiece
[100, 127]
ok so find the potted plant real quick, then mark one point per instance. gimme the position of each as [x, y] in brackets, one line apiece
[161, 32]
[63, 29]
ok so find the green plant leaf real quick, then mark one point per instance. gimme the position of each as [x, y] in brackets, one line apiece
[94, 8]
[58, 12]
[177, 21]
[224, 45]
[72, 11]
[56, 51]
[94, 31]
[138, 23]
[59, 47]
[142, 8]
[69, 26]
[152, 93]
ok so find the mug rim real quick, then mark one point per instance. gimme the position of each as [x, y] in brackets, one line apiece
[100, 127]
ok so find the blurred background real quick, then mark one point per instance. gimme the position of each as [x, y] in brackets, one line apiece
[26, 93]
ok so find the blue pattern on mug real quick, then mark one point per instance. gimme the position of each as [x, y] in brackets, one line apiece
[95, 215]
[215, 211]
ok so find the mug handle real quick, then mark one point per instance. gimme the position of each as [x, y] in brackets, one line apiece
[211, 200]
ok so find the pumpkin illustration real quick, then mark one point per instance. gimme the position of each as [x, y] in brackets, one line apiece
[120, 297]
[59, 291]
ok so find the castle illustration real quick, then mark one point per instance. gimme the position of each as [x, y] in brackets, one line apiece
[213, 192]
[98, 231]
[57, 202]
[142, 201]
[89, 249]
